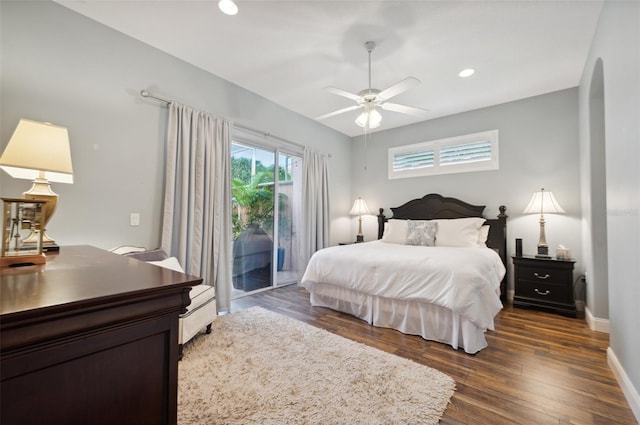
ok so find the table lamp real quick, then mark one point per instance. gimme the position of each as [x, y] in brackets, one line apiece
[359, 209]
[39, 151]
[543, 202]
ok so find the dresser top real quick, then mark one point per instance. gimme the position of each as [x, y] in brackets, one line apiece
[80, 275]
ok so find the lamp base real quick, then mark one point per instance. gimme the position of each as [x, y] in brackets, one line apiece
[359, 238]
[22, 260]
[543, 252]
[41, 191]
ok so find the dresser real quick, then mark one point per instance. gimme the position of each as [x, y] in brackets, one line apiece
[90, 337]
[544, 283]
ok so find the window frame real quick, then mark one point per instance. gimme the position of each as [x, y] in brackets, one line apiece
[436, 168]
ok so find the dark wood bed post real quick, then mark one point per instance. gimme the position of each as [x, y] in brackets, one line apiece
[381, 220]
[500, 242]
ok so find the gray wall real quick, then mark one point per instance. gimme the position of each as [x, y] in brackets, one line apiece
[61, 67]
[538, 139]
[617, 45]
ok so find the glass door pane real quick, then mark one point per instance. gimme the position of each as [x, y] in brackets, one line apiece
[253, 183]
[289, 202]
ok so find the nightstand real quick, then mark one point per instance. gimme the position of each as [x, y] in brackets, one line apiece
[544, 283]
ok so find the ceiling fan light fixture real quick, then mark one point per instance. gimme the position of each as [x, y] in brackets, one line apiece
[228, 7]
[466, 72]
[373, 117]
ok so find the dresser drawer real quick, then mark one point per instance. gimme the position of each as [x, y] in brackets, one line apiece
[545, 291]
[545, 275]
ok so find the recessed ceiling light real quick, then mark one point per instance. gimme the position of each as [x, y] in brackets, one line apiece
[467, 72]
[228, 7]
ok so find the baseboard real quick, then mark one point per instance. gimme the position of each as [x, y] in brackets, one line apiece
[630, 392]
[595, 323]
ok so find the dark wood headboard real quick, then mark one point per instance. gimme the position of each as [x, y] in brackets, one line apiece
[434, 206]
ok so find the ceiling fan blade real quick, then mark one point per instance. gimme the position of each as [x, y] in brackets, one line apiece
[338, 112]
[343, 93]
[396, 89]
[409, 110]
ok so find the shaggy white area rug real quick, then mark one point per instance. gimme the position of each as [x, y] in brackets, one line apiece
[259, 367]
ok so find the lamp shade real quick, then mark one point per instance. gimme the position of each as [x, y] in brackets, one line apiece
[543, 202]
[359, 207]
[38, 150]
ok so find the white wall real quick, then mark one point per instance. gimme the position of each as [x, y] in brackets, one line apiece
[617, 45]
[538, 140]
[61, 67]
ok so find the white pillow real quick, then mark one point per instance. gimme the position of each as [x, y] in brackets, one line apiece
[169, 263]
[421, 232]
[483, 234]
[395, 231]
[461, 232]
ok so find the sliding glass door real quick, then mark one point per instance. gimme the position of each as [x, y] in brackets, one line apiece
[265, 191]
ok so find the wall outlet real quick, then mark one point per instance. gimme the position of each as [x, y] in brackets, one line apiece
[134, 219]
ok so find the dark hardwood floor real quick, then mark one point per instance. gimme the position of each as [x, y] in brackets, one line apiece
[539, 368]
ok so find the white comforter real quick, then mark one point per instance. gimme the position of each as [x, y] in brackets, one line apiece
[464, 280]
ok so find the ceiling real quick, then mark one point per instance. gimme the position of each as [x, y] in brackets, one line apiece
[289, 51]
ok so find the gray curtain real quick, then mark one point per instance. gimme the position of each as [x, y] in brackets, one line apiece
[196, 225]
[314, 227]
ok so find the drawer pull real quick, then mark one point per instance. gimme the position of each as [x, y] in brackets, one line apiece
[546, 276]
[539, 292]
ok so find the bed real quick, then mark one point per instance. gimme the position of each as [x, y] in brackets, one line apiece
[430, 280]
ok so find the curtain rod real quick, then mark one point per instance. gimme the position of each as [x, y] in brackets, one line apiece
[145, 93]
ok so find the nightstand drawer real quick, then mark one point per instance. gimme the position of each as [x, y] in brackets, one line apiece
[548, 292]
[545, 275]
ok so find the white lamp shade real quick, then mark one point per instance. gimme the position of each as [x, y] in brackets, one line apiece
[37, 150]
[359, 207]
[543, 202]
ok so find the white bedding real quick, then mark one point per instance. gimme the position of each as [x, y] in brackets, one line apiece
[463, 280]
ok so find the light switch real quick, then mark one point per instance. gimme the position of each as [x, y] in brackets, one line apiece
[134, 219]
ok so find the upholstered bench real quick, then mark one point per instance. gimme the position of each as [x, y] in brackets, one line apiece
[200, 313]
[202, 310]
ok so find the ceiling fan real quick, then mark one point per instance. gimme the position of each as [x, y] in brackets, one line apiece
[370, 99]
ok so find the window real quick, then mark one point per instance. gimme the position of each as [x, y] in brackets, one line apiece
[461, 154]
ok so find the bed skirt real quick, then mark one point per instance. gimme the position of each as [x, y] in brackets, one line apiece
[431, 322]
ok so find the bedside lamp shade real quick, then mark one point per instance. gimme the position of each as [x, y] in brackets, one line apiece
[39, 151]
[543, 202]
[359, 208]
[540, 203]
[38, 148]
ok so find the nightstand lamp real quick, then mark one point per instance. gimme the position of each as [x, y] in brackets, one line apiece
[543, 202]
[359, 208]
[39, 151]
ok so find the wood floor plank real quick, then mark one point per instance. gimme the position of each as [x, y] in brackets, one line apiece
[539, 367]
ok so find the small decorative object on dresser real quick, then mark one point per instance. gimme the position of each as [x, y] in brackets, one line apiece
[544, 283]
[22, 218]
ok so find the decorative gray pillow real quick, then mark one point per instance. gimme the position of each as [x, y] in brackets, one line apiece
[150, 255]
[421, 232]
